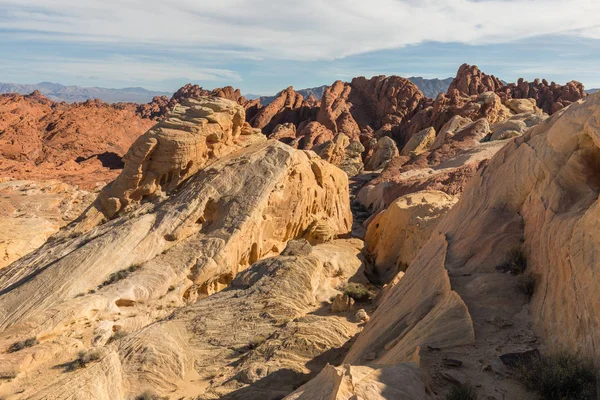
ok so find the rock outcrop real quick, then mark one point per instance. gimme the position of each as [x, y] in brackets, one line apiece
[288, 107]
[197, 132]
[550, 97]
[395, 235]
[383, 152]
[345, 154]
[419, 143]
[456, 306]
[32, 211]
[471, 81]
[367, 105]
[80, 289]
[461, 147]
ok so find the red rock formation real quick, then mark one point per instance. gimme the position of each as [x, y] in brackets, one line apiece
[159, 106]
[80, 143]
[549, 97]
[471, 81]
[288, 106]
[366, 105]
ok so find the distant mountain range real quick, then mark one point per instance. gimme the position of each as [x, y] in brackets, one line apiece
[590, 91]
[431, 87]
[316, 91]
[72, 94]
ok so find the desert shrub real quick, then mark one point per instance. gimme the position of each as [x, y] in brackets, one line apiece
[84, 357]
[560, 377]
[357, 292]
[32, 341]
[526, 283]
[461, 392]
[149, 395]
[8, 376]
[119, 275]
[516, 263]
[116, 336]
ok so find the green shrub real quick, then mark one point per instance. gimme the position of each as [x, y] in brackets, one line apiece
[357, 292]
[32, 341]
[560, 377]
[149, 395]
[83, 359]
[527, 283]
[461, 392]
[8, 376]
[120, 334]
[119, 275]
[516, 263]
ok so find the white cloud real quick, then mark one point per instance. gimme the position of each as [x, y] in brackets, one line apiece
[122, 69]
[298, 30]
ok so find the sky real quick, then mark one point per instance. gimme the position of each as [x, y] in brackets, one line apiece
[263, 46]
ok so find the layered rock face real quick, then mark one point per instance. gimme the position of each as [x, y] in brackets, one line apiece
[195, 133]
[79, 143]
[167, 252]
[395, 235]
[31, 211]
[161, 106]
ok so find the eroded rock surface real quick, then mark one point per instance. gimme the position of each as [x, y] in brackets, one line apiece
[395, 236]
[32, 211]
[197, 132]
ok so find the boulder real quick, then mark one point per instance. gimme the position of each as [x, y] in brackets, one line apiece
[395, 236]
[419, 142]
[383, 152]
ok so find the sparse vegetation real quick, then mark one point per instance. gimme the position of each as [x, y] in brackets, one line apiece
[84, 357]
[357, 292]
[516, 264]
[462, 392]
[526, 283]
[256, 341]
[149, 395]
[560, 377]
[119, 275]
[120, 334]
[8, 376]
[32, 341]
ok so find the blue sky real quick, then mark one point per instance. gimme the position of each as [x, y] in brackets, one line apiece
[263, 46]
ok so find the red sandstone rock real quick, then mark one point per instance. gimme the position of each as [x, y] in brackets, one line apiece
[79, 143]
[288, 106]
[471, 81]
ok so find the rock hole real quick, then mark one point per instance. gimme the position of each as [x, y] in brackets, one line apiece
[125, 303]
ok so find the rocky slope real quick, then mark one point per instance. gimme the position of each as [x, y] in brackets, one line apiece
[79, 144]
[179, 240]
[221, 264]
[458, 312]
